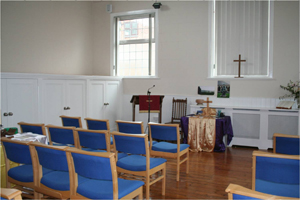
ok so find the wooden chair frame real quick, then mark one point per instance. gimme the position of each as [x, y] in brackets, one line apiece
[237, 189]
[100, 120]
[73, 177]
[177, 155]
[18, 185]
[71, 117]
[275, 135]
[149, 172]
[62, 127]
[267, 154]
[37, 170]
[33, 124]
[9, 193]
[179, 107]
[107, 137]
[130, 122]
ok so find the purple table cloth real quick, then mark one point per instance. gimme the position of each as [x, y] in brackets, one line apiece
[223, 127]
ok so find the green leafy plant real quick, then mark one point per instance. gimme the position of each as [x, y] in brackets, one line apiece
[293, 88]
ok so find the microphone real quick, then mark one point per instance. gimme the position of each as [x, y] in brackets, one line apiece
[150, 89]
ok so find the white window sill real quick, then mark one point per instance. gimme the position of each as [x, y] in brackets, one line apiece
[243, 78]
[138, 77]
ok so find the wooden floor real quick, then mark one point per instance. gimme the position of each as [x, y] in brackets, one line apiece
[210, 174]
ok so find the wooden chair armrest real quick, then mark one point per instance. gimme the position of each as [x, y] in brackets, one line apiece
[9, 193]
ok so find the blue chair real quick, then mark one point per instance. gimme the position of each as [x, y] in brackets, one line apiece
[168, 132]
[56, 183]
[22, 175]
[237, 192]
[94, 140]
[276, 174]
[97, 124]
[33, 128]
[71, 121]
[100, 175]
[130, 127]
[286, 144]
[138, 163]
[62, 136]
[9, 194]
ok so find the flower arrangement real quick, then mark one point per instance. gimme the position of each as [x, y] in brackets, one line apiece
[293, 88]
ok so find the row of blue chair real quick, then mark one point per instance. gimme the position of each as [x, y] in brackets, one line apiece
[66, 172]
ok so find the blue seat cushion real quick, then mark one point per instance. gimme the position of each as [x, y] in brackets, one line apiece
[101, 189]
[138, 163]
[59, 180]
[238, 197]
[24, 173]
[168, 147]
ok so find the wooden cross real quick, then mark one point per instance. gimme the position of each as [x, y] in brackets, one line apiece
[239, 60]
[208, 101]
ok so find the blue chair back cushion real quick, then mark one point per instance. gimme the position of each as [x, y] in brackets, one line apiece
[132, 145]
[93, 167]
[96, 125]
[277, 176]
[168, 147]
[52, 159]
[129, 128]
[238, 196]
[138, 162]
[287, 145]
[70, 122]
[60, 135]
[33, 129]
[18, 153]
[164, 132]
[103, 189]
[92, 140]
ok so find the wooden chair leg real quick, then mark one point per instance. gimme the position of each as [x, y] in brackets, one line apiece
[178, 168]
[187, 163]
[147, 187]
[164, 181]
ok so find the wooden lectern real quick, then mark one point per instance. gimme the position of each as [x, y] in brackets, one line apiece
[135, 100]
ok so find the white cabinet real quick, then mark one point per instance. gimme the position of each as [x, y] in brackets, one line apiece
[104, 101]
[19, 101]
[63, 97]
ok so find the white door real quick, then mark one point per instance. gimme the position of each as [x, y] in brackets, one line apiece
[76, 98]
[112, 101]
[19, 101]
[54, 99]
[96, 107]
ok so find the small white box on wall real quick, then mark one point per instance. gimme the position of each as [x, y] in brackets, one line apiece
[109, 8]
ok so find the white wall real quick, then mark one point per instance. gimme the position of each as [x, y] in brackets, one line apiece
[183, 50]
[73, 38]
[47, 37]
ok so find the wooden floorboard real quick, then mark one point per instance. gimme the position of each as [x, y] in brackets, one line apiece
[210, 174]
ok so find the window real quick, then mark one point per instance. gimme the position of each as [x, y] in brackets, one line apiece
[241, 27]
[134, 47]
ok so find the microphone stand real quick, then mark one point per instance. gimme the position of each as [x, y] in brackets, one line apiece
[148, 93]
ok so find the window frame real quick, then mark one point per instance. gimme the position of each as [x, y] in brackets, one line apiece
[212, 70]
[113, 40]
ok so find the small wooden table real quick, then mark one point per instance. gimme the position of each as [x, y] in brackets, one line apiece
[135, 100]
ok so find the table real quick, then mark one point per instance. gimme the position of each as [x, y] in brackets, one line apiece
[223, 128]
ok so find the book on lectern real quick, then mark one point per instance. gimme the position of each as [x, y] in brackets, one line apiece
[285, 105]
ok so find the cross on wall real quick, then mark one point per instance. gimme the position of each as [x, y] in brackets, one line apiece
[239, 60]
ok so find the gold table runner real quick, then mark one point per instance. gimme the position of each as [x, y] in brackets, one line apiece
[202, 134]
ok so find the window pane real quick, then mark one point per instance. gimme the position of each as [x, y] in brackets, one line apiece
[242, 27]
[133, 46]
